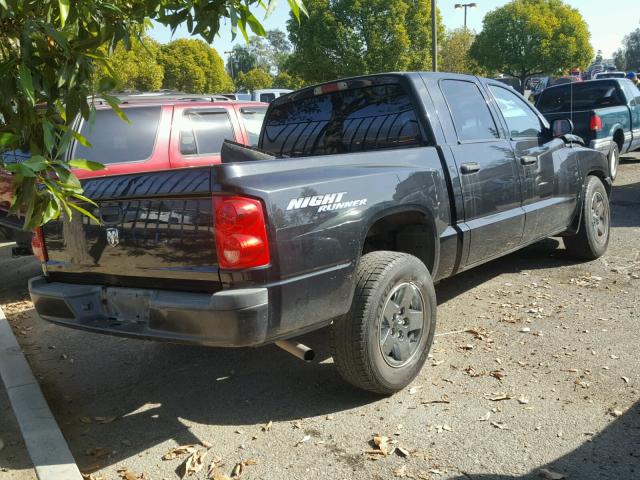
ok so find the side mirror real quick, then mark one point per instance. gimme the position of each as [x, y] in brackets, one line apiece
[562, 127]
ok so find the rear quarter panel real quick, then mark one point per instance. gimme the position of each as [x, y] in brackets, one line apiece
[315, 252]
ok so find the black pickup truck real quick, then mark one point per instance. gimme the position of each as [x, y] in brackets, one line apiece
[364, 192]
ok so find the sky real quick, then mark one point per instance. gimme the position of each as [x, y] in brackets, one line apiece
[609, 21]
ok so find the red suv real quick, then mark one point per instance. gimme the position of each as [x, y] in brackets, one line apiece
[165, 131]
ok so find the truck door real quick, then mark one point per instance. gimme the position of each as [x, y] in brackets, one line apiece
[632, 94]
[488, 172]
[548, 171]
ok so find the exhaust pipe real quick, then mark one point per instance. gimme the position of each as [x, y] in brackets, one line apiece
[297, 350]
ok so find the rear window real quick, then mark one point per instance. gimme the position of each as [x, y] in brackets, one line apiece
[586, 96]
[203, 132]
[252, 117]
[267, 97]
[116, 141]
[354, 120]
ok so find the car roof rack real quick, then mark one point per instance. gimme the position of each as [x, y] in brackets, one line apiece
[130, 97]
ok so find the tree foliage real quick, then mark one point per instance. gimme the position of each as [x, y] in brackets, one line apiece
[285, 80]
[137, 68]
[265, 52]
[192, 66]
[528, 37]
[254, 79]
[50, 54]
[456, 58]
[350, 37]
[628, 57]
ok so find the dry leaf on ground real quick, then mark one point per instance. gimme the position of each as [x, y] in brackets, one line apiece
[127, 474]
[178, 451]
[267, 427]
[194, 463]
[99, 452]
[238, 470]
[306, 438]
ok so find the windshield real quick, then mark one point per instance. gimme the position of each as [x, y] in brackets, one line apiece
[579, 96]
[253, 118]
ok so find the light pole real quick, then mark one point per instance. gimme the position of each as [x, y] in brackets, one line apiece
[465, 6]
[230, 52]
[434, 37]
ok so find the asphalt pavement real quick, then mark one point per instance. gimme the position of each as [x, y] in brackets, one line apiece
[534, 374]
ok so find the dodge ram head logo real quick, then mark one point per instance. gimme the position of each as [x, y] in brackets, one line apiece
[113, 237]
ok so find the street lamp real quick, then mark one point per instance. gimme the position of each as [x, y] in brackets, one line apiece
[230, 52]
[465, 6]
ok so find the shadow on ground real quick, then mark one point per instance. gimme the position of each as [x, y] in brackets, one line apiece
[613, 454]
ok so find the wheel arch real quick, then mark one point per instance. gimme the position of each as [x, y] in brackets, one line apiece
[406, 229]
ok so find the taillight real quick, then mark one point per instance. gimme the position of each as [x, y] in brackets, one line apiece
[38, 246]
[596, 123]
[241, 233]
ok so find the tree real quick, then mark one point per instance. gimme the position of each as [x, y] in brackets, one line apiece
[138, 67]
[192, 66]
[241, 59]
[286, 80]
[529, 37]
[254, 79]
[455, 53]
[350, 37]
[51, 52]
[628, 57]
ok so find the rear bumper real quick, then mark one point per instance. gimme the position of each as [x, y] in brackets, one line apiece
[602, 145]
[231, 318]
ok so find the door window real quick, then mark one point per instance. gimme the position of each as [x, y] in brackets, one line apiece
[471, 115]
[521, 120]
[253, 118]
[267, 97]
[204, 131]
[116, 141]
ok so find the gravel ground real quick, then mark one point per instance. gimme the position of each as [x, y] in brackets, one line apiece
[535, 374]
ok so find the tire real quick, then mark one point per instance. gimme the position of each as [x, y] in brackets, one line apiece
[360, 336]
[592, 239]
[613, 159]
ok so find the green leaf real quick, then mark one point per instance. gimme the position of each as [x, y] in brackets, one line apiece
[114, 103]
[84, 212]
[256, 26]
[26, 83]
[85, 164]
[64, 11]
[49, 136]
[20, 169]
[8, 139]
[36, 163]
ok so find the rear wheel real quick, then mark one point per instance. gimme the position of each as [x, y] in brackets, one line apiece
[614, 160]
[592, 239]
[381, 344]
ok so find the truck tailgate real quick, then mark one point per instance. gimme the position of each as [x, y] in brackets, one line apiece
[156, 230]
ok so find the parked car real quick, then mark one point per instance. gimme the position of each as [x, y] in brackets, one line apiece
[166, 131]
[268, 95]
[238, 96]
[513, 82]
[605, 114]
[362, 194]
[546, 82]
[604, 75]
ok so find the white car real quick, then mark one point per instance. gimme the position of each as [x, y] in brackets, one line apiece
[268, 95]
[603, 75]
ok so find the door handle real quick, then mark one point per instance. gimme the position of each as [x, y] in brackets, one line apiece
[471, 167]
[528, 160]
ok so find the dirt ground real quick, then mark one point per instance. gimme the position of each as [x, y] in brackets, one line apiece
[535, 373]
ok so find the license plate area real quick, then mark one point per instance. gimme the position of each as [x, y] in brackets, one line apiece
[127, 305]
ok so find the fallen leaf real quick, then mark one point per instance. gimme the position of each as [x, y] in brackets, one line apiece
[238, 470]
[400, 472]
[127, 474]
[616, 413]
[206, 444]
[403, 452]
[625, 379]
[194, 463]
[499, 374]
[178, 451]
[306, 438]
[499, 397]
[523, 400]
[382, 443]
[498, 425]
[105, 420]
[216, 474]
[297, 425]
[485, 417]
[98, 452]
[92, 476]
[550, 474]
[267, 427]
[414, 390]
[525, 330]
[85, 420]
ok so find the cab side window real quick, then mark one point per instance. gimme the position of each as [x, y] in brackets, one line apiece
[471, 115]
[521, 120]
